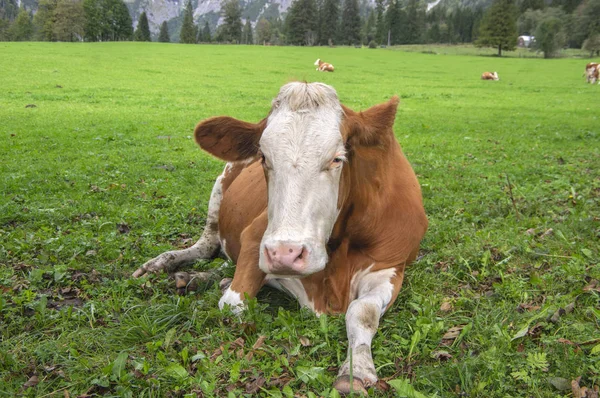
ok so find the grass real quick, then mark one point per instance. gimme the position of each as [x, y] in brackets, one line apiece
[100, 174]
[470, 49]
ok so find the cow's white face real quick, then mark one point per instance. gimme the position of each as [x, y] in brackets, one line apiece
[303, 154]
[317, 61]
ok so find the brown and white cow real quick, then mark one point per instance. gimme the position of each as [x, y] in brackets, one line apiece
[489, 76]
[316, 200]
[592, 72]
[323, 66]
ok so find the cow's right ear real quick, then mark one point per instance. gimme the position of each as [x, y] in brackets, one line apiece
[229, 139]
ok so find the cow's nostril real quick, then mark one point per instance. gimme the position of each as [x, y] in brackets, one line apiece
[291, 250]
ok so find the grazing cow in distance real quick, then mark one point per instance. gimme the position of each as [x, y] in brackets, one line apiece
[323, 66]
[316, 200]
[592, 72]
[489, 76]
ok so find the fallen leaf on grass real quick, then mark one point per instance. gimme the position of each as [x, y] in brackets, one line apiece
[451, 335]
[32, 382]
[582, 391]
[557, 314]
[527, 307]
[453, 332]
[560, 383]
[441, 355]
[123, 228]
[446, 305]
[259, 343]
[254, 387]
[593, 286]
[305, 341]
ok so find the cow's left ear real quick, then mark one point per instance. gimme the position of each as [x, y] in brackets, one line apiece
[373, 126]
[229, 139]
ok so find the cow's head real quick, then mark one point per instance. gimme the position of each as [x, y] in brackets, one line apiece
[318, 62]
[303, 146]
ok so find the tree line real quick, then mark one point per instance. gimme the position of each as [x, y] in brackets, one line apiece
[555, 24]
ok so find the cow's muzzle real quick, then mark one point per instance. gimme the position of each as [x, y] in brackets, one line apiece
[286, 258]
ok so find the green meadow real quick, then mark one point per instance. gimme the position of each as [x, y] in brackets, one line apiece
[99, 173]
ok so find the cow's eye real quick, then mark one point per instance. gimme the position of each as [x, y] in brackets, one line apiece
[262, 159]
[337, 162]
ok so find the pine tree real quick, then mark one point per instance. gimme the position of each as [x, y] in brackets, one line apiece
[4, 29]
[22, 27]
[9, 9]
[187, 34]
[499, 27]
[68, 20]
[120, 21]
[380, 31]
[350, 28]
[413, 24]
[163, 35]
[142, 33]
[396, 21]
[43, 20]
[263, 31]
[92, 28]
[232, 25]
[369, 28]
[206, 33]
[247, 33]
[329, 22]
[301, 23]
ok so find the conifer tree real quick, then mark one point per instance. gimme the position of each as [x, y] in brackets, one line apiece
[247, 33]
[413, 25]
[329, 22]
[163, 35]
[92, 28]
[369, 28]
[263, 31]
[350, 28]
[380, 31]
[301, 23]
[9, 9]
[22, 28]
[499, 27]
[396, 22]
[68, 20]
[142, 33]
[206, 33]
[43, 20]
[232, 25]
[187, 34]
[119, 20]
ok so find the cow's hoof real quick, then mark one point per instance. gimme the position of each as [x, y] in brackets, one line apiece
[188, 281]
[343, 385]
[184, 283]
[224, 284]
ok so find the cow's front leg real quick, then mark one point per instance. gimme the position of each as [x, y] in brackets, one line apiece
[376, 290]
[206, 247]
[248, 277]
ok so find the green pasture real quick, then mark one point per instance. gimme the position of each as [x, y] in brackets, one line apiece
[98, 173]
